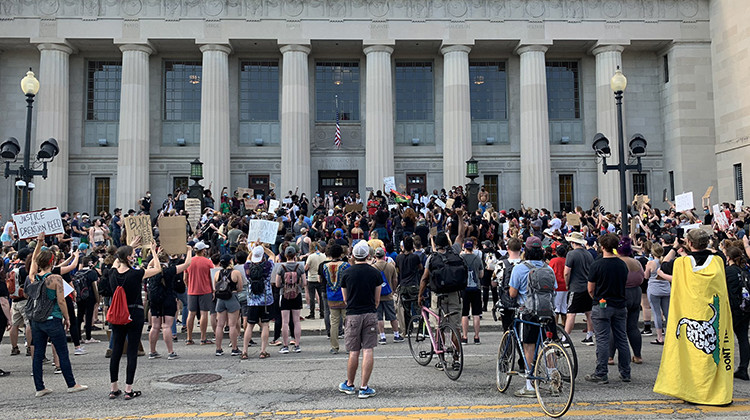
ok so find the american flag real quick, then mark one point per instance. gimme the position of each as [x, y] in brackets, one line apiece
[337, 137]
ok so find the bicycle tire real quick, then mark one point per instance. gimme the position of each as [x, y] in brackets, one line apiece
[450, 341]
[420, 344]
[555, 395]
[571, 350]
[506, 356]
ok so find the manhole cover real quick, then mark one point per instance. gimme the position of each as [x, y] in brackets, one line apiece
[194, 378]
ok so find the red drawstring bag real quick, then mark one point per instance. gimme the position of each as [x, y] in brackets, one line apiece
[118, 313]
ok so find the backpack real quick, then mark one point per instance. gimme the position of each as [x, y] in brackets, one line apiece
[448, 272]
[745, 281]
[290, 287]
[385, 287]
[13, 282]
[39, 307]
[81, 285]
[540, 298]
[505, 299]
[105, 289]
[118, 313]
[156, 290]
[223, 288]
[472, 282]
[256, 274]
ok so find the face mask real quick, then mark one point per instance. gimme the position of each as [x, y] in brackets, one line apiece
[148, 195]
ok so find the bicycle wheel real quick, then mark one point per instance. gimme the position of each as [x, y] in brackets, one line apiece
[554, 392]
[563, 337]
[420, 344]
[506, 354]
[452, 356]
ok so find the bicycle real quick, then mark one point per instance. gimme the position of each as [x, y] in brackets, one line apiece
[552, 372]
[443, 340]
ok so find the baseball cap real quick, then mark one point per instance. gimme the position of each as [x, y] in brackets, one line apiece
[468, 245]
[533, 242]
[83, 247]
[200, 246]
[379, 252]
[257, 255]
[226, 258]
[290, 251]
[361, 250]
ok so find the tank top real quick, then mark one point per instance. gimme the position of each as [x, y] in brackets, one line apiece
[98, 235]
[656, 286]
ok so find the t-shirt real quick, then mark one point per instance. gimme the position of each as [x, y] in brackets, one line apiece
[610, 276]
[579, 261]
[519, 279]
[131, 281]
[475, 265]
[360, 282]
[558, 266]
[408, 265]
[199, 276]
[390, 274]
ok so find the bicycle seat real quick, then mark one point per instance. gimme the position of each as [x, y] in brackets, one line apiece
[543, 319]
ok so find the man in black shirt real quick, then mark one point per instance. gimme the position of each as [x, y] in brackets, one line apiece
[606, 285]
[360, 285]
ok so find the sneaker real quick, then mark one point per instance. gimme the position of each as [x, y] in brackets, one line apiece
[398, 339]
[525, 393]
[601, 380]
[236, 352]
[333, 351]
[58, 371]
[381, 340]
[154, 355]
[28, 351]
[108, 354]
[297, 349]
[141, 353]
[91, 341]
[79, 351]
[341, 336]
[175, 339]
[464, 341]
[219, 352]
[346, 389]
[589, 341]
[366, 393]
[78, 388]
[439, 366]
[476, 341]
[647, 331]
[738, 374]
[625, 378]
[252, 343]
[284, 350]
[15, 351]
[173, 356]
[311, 316]
[43, 392]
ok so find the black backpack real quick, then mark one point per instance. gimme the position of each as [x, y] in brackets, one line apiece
[448, 272]
[255, 272]
[39, 307]
[156, 290]
[745, 296]
[81, 285]
[505, 299]
[223, 290]
[103, 285]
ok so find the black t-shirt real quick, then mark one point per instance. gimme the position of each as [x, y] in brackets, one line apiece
[131, 281]
[610, 276]
[360, 282]
[408, 265]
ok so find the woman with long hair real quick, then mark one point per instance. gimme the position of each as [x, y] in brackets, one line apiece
[227, 307]
[740, 319]
[658, 292]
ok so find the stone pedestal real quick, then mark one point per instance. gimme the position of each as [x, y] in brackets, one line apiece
[456, 114]
[214, 143]
[295, 120]
[379, 116]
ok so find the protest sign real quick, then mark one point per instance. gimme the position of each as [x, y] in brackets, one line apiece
[720, 218]
[139, 226]
[738, 206]
[262, 230]
[251, 203]
[440, 203]
[433, 231]
[193, 209]
[708, 229]
[633, 227]
[31, 224]
[353, 207]
[708, 192]
[449, 203]
[390, 183]
[242, 191]
[273, 205]
[287, 201]
[172, 234]
[424, 211]
[684, 202]
[573, 219]
[392, 207]
[688, 228]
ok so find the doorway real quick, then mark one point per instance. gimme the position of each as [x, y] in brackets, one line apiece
[416, 184]
[259, 184]
[342, 182]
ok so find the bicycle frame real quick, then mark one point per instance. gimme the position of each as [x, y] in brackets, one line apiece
[537, 346]
[426, 312]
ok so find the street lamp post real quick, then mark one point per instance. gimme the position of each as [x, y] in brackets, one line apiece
[10, 148]
[637, 147]
[196, 174]
[472, 188]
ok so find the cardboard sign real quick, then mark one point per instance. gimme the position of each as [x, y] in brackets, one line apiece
[251, 203]
[353, 207]
[684, 202]
[640, 200]
[573, 219]
[440, 203]
[193, 209]
[32, 223]
[633, 227]
[390, 183]
[242, 191]
[139, 226]
[273, 205]
[262, 230]
[172, 234]
[708, 229]
[449, 203]
[708, 192]
[433, 231]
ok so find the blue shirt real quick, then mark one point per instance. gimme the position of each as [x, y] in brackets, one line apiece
[519, 279]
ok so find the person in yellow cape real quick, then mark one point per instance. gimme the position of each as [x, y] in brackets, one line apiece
[698, 357]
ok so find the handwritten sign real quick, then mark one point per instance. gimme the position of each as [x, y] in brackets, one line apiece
[433, 231]
[688, 228]
[287, 201]
[262, 230]
[684, 202]
[573, 219]
[708, 192]
[172, 234]
[390, 183]
[449, 203]
[738, 206]
[353, 207]
[251, 203]
[242, 191]
[720, 218]
[440, 203]
[31, 224]
[193, 209]
[273, 205]
[139, 226]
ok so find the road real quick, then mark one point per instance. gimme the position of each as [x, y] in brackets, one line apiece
[304, 385]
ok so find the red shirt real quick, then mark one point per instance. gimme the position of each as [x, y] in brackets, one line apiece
[199, 276]
[558, 266]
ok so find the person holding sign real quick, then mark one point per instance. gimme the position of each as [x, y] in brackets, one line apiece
[9, 233]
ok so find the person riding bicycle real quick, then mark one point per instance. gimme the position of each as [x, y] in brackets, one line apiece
[520, 290]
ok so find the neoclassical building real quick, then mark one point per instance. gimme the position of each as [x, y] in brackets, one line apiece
[134, 90]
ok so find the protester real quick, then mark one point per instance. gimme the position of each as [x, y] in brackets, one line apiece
[200, 293]
[260, 298]
[736, 281]
[386, 307]
[472, 295]
[658, 292]
[332, 272]
[164, 307]
[227, 283]
[577, 265]
[291, 279]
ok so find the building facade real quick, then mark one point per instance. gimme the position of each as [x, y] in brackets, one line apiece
[134, 90]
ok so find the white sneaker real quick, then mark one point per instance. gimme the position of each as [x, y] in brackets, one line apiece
[80, 352]
[77, 388]
[43, 392]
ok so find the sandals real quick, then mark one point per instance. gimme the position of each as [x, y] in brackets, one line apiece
[637, 360]
[206, 342]
[189, 342]
[132, 394]
[114, 394]
[243, 356]
[657, 342]
[264, 355]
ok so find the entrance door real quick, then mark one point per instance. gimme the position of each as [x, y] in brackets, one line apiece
[566, 192]
[259, 183]
[342, 182]
[416, 183]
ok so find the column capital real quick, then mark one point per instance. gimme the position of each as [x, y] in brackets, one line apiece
[455, 48]
[295, 48]
[378, 48]
[225, 48]
[524, 48]
[604, 48]
[144, 47]
[56, 46]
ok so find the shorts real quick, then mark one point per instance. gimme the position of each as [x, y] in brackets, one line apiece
[291, 305]
[230, 305]
[18, 313]
[451, 306]
[579, 302]
[202, 303]
[388, 309]
[472, 299]
[530, 333]
[361, 332]
[168, 308]
[258, 314]
[561, 302]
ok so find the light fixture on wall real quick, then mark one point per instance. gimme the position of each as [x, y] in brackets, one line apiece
[478, 80]
[490, 141]
[180, 142]
[259, 141]
[415, 141]
[194, 79]
[564, 140]
[338, 76]
[102, 142]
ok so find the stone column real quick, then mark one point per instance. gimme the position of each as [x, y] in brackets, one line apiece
[608, 57]
[379, 116]
[295, 120]
[52, 118]
[133, 140]
[536, 181]
[215, 145]
[456, 114]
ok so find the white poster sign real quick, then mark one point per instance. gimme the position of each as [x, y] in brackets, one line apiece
[390, 184]
[684, 202]
[287, 201]
[273, 205]
[263, 231]
[738, 206]
[720, 217]
[440, 203]
[688, 228]
[193, 209]
[32, 223]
